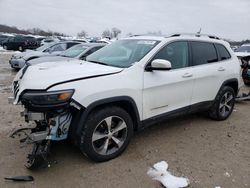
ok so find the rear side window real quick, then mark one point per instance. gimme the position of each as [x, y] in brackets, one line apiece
[203, 53]
[223, 53]
[70, 44]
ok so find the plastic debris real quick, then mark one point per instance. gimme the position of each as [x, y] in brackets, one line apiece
[159, 172]
[20, 178]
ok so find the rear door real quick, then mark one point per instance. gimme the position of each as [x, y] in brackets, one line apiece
[166, 91]
[209, 71]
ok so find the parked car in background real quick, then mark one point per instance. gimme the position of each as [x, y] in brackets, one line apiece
[124, 87]
[243, 50]
[49, 40]
[17, 61]
[20, 42]
[80, 51]
[39, 40]
[81, 40]
[3, 37]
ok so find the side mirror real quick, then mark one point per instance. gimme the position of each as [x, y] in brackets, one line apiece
[159, 64]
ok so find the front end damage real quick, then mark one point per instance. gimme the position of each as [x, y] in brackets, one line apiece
[52, 114]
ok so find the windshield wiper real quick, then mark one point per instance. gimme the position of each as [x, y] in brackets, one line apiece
[98, 62]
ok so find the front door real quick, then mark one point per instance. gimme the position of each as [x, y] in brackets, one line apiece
[166, 91]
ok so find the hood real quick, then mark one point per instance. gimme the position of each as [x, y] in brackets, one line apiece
[44, 75]
[22, 54]
[48, 59]
[29, 55]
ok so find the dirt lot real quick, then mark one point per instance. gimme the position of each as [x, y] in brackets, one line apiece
[209, 153]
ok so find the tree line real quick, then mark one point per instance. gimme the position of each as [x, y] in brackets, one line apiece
[33, 31]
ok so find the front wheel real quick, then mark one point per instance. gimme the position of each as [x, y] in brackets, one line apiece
[223, 104]
[106, 134]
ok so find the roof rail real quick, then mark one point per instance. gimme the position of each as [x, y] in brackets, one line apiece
[195, 35]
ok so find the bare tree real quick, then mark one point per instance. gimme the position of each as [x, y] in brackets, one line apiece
[107, 34]
[82, 34]
[116, 32]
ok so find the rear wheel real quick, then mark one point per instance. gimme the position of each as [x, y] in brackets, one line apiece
[5, 47]
[20, 48]
[106, 134]
[223, 105]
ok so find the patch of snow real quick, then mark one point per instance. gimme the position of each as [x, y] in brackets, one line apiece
[217, 187]
[3, 51]
[159, 172]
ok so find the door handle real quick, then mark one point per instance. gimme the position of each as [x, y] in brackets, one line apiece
[221, 69]
[187, 75]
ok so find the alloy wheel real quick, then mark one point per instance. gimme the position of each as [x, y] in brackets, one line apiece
[226, 104]
[109, 135]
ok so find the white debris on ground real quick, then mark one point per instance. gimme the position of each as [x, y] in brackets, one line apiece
[227, 174]
[159, 172]
[217, 187]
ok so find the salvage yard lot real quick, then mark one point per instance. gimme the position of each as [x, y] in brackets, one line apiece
[209, 153]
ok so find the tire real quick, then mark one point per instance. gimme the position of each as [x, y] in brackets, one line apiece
[5, 47]
[223, 104]
[106, 133]
[20, 48]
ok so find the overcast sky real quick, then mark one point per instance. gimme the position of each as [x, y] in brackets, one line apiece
[225, 18]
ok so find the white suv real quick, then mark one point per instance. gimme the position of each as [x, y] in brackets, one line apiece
[125, 86]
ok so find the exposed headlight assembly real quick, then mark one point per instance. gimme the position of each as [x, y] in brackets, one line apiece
[47, 98]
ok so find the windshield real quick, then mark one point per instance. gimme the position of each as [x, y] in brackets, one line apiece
[243, 49]
[123, 53]
[74, 51]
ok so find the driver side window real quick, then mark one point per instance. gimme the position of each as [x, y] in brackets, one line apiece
[176, 53]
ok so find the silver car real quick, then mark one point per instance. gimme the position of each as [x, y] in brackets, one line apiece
[80, 51]
[17, 61]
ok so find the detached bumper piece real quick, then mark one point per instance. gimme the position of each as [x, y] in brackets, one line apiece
[20, 178]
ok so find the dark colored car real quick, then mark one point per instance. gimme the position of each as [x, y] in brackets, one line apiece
[3, 38]
[20, 43]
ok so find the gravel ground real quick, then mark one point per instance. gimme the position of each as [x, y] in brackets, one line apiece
[209, 153]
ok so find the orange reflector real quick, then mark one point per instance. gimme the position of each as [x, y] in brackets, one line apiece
[64, 96]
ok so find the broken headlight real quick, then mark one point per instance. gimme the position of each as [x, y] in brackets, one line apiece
[48, 98]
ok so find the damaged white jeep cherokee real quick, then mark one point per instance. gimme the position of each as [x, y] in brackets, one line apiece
[131, 83]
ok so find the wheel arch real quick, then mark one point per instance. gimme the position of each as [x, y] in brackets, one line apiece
[125, 102]
[233, 83]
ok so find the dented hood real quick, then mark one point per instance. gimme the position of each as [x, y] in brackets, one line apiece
[44, 75]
